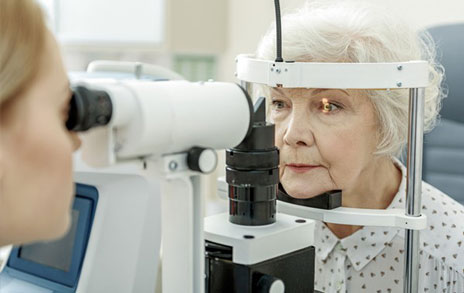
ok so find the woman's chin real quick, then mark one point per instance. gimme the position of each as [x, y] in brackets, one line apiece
[303, 190]
[301, 195]
[306, 185]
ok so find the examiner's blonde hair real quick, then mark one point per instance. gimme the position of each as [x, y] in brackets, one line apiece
[22, 39]
[349, 31]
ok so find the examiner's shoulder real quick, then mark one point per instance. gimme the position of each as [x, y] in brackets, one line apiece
[443, 238]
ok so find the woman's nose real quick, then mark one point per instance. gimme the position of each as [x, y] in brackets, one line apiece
[298, 132]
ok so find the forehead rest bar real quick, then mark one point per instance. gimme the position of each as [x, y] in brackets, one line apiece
[396, 75]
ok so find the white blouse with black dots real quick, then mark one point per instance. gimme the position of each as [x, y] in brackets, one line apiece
[372, 258]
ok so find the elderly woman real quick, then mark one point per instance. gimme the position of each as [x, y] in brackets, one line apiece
[350, 139]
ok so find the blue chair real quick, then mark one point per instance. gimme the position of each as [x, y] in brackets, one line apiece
[443, 164]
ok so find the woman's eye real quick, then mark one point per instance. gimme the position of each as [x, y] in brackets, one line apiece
[278, 105]
[328, 107]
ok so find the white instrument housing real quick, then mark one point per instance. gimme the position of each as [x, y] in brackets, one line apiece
[255, 244]
[162, 117]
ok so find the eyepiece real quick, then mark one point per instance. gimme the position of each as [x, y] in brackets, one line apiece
[88, 109]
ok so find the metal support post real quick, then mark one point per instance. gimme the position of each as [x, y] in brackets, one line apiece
[414, 186]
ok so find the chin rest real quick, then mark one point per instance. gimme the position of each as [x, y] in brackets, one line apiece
[328, 200]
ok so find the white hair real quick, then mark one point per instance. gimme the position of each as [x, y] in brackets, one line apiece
[349, 31]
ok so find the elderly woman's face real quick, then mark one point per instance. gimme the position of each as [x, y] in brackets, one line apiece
[326, 138]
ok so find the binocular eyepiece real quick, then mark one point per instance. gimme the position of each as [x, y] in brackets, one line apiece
[88, 109]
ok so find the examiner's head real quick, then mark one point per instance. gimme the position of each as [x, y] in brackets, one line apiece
[340, 139]
[36, 186]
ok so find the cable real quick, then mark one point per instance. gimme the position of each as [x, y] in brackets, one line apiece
[278, 32]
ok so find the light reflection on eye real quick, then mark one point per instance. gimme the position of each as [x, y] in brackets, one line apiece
[328, 107]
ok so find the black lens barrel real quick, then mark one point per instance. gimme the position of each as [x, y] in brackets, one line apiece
[88, 108]
[252, 172]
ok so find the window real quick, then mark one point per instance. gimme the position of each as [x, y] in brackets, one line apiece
[107, 22]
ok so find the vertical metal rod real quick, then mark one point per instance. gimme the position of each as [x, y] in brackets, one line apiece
[198, 233]
[414, 186]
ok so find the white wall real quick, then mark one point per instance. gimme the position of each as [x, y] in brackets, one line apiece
[425, 13]
[186, 27]
[246, 21]
[249, 20]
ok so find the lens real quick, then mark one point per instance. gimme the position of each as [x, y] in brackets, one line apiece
[253, 176]
[252, 172]
[88, 109]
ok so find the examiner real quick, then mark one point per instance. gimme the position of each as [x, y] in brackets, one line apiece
[36, 185]
[351, 139]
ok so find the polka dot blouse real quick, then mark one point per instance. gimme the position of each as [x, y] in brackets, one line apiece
[372, 258]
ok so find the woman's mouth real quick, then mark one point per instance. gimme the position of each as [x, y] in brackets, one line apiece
[301, 168]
